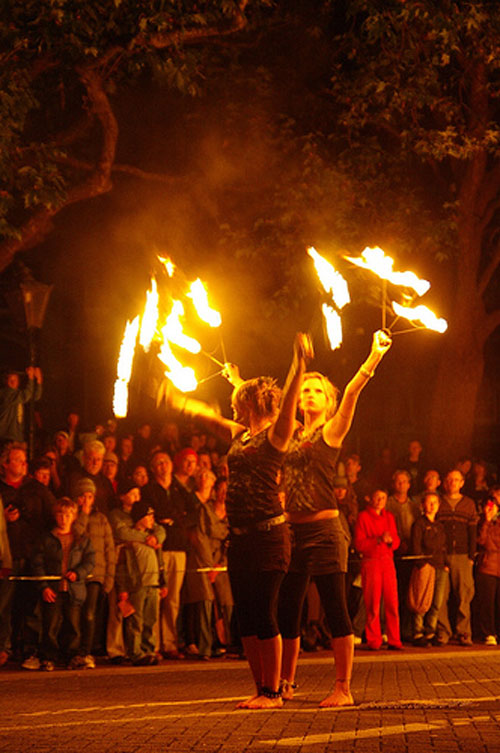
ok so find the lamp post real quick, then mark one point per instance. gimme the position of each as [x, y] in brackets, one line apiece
[35, 297]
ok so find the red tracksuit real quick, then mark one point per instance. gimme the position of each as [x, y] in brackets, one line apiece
[378, 574]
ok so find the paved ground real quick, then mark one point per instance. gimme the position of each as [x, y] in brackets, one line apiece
[422, 701]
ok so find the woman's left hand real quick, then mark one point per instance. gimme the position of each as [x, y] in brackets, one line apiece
[382, 341]
[303, 347]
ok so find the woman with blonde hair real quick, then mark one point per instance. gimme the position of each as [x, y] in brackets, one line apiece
[320, 542]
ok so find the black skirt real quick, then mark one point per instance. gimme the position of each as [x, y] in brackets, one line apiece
[320, 547]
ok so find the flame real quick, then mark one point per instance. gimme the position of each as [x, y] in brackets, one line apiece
[124, 368]
[199, 296]
[376, 261]
[333, 326]
[173, 331]
[183, 377]
[150, 316]
[168, 264]
[332, 281]
[421, 314]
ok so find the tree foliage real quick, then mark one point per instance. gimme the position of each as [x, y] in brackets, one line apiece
[61, 65]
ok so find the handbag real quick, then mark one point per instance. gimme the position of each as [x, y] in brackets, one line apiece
[421, 588]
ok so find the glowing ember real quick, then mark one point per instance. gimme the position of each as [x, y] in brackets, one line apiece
[376, 261]
[332, 281]
[421, 314]
[181, 376]
[168, 264]
[333, 326]
[124, 368]
[150, 316]
[199, 296]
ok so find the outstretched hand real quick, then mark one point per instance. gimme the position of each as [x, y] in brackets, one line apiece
[231, 372]
[303, 347]
[382, 341]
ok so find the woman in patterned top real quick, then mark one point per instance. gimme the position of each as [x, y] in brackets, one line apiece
[320, 543]
[259, 543]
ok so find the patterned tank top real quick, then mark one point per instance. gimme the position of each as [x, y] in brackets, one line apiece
[309, 471]
[254, 473]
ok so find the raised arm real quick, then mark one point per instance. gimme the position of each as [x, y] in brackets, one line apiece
[215, 423]
[281, 431]
[337, 427]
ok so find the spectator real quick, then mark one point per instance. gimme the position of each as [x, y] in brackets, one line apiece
[376, 538]
[126, 459]
[170, 511]
[96, 527]
[413, 462]
[92, 460]
[488, 574]
[137, 582]
[198, 594]
[405, 511]
[110, 469]
[428, 537]
[65, 462]
[124, 532]
[13, 399]
[140, 476]
[359, 485]
[62, 553]
[479, 483]
[5, 588]
[431, 483]
[73, 421]
[459, 518]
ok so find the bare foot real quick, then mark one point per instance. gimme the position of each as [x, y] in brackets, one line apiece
[263, 702]
[287, 689]
[340, 697]
[244, 704]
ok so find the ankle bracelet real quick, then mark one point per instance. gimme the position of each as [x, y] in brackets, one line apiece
[268, 693]
[286, 684]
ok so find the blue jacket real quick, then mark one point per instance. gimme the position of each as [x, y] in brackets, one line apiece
[48, 561]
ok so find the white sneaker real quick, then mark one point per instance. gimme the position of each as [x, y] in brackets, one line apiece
[89, 661]
[490, 640]
[32, 662]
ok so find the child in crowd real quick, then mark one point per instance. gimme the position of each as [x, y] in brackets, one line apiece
[96, 526]
[137, 584]
[71, 557]
[428, 537]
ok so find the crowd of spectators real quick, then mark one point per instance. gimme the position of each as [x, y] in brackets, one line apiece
[113, 544]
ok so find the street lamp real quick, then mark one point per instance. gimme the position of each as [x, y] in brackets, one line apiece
[35, 297]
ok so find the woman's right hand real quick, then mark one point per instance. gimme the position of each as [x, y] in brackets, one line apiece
[231, 372]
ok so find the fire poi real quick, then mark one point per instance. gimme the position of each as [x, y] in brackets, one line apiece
[333, 283]
[376, 260]
[162, 322]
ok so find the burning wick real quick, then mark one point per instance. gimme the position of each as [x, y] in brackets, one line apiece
[333, 283]
[422, 314]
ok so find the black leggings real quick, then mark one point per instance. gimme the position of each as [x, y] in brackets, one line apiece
[256, 601]
[331, 589]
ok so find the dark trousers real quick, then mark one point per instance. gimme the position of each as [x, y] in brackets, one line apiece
[60, 629]
[487, 604]
[89, 614]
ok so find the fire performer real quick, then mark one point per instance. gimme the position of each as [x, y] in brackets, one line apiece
[259, 544]
[320, 543]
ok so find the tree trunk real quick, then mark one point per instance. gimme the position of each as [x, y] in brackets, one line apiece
[453, 406]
